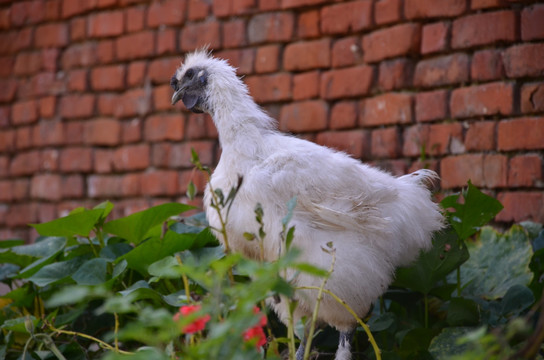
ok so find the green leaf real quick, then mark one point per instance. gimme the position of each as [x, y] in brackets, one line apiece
[165, 268]
[18, 324]
[76, 294]
[106, 208]
[113, 251]
[445, 256]
[136, 227]
[92, 272]
[381, 322]
[475, 211]
[416, 340]
[80, 223]
[311, 269]
[56, 271]
[516, 300]
[446, 343]
[10, 243]
[191, 190]
[155, 249]
[497, 262]
[463, 312]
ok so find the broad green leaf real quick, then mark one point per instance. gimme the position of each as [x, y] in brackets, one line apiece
[381, 322]
[80, 223]
[18, 324]
[47, 248]
[75, 294]
[10, 243]
[56, 271]
[476, 210]
[113, 251]
[141, 290]
[21, 297]
[416, 340]
[463, 312]
[92, 272]
[7, 271]
[106, 208]
[311, 269]
[167, 267]
[155, 249]
[445, 256]
[497, 262]
[446, 343]
[136, 227]
[517, 299]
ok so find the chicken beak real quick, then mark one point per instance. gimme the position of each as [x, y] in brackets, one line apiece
[177, 96]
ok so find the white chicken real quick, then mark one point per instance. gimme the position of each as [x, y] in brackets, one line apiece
[375, 221]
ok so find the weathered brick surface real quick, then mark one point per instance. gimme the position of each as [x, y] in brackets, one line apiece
[85, 112]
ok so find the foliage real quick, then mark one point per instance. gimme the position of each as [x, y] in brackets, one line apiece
[154, 285]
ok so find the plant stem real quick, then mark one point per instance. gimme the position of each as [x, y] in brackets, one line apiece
[426, 301]
[291, 334]
[185, 281]
[377, 350]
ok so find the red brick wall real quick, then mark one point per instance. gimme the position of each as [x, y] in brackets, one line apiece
[85, 114]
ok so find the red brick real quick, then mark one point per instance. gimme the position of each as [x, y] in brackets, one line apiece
[306, 85]
[385, 143]
[431, 105]
[135, 18]
[102, 131]
[6, 66]
[222, 8]
[5, 116]
[531, 22]
[483, 170]
[445, 139]
[72, 187]
[308, 24]
[417, 9]
[103, 161]
[23, 137]
[415, 140]
[484, 29]
[346, 52]
[103, 186]
[443, 70]
[77, 106]
[49, 59]
[49, 159]
[197, 177]
[234, 33]
[131, 131]
[200, 34]
[434, 37]
[7, 89]
[76, 159]
[304, 116]
[298, 3]
[6, 191]
[487, 65]
[524, 60]
[25, 112]
[532, 97]
[131, 157]
[27, 63]
[161, 70]
[48, 133]
[26, 163]
[530, 129]
[75, 7]
[307, 55]
[387, 11]
[79, 55]
[73, 132]
[164, 127]
[161, 98]
[160, 182]
[354, 142]
[166, 41]
[15, 41]
[486, 4]
[4, 166]
[525, 171]
[131, 185]
[196, 126]
[21, 189]
[267, 59]
[134, 102]
[198, 9]
[51, 35]
[22, 214]
[52, 9]
[271, 27]
[108, 77]
[179, 155]
[481, 136]
[107, 103]
[242, 60]
[46, 187]
[135, 46]
[105, 51]
[482, 100]
[391, 42]
[270, 88]
[168, 12]
[389, 108]
[346, 17]
[347, 82]
[395, 74]
[77, 80]
[136, 73]
[106, 24]
[344, 115]
[521, 205]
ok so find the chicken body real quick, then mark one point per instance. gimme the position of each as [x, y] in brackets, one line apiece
[375, 221]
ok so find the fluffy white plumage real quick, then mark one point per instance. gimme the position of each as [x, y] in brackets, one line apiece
[375, 221]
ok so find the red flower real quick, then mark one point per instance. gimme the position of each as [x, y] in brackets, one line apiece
[257, 331]
[197, 325]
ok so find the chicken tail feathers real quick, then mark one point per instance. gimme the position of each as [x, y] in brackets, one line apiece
[425, 177]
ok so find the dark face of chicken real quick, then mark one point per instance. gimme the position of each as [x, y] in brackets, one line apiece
[191, 89]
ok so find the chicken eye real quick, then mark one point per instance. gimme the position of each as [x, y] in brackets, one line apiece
[189, 74]
[174, 82]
